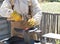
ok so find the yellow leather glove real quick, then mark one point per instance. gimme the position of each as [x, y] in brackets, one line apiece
[15, 16]
[31, 22]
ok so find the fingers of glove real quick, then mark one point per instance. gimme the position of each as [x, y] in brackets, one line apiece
[31, 21]
[15, 16]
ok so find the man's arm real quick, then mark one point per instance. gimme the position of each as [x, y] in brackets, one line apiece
[5, 9]
[36, 11]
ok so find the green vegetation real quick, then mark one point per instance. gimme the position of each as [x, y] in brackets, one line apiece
[53, 7]
[57, 41]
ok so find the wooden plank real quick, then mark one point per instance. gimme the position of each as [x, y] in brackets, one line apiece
[52, 35]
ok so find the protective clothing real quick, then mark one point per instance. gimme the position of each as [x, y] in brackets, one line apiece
[21, 6]
[31, 22]
[15, 16]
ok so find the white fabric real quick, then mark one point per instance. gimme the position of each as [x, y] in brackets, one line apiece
[5, 12]
[5, 9]
[21, 6]
[6, 4]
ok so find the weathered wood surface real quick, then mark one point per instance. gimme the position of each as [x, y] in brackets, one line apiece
[50, 23]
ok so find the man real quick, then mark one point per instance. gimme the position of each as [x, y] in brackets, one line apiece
[22, 7]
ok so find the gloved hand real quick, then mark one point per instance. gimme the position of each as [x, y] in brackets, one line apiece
[31, 22]
[15, 16]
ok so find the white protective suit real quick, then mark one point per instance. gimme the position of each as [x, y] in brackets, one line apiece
[21, 6]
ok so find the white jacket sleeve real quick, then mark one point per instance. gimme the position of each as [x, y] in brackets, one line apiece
[36, 10]
[5, 9]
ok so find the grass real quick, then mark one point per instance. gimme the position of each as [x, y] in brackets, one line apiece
[57, 41]
[52, 7]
